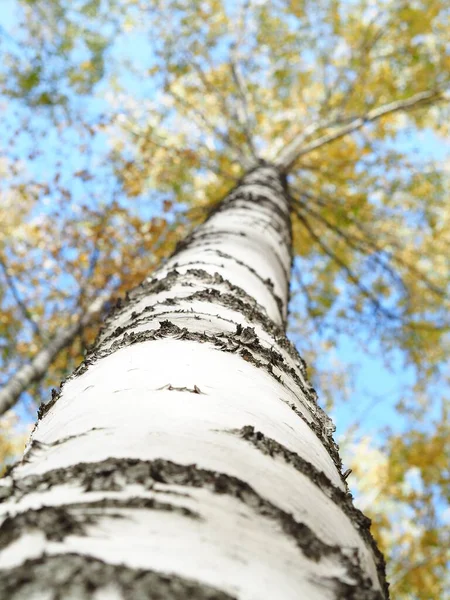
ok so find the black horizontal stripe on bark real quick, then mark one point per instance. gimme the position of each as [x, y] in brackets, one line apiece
[209, 295]
[226, 342]
[242, 193]
[198, 241]
[187, 279]
[57, 522]
[268, 283]
[76, 576]
[253, 311]
[271, 447]
[201, 238]
[37, 445]
[263, 218]
[95, 476]
[197, 315]
[242, 197]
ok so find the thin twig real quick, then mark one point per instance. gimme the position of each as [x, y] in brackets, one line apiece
[199, 115]
[350, 274]
[372, 244]
[228, 111]
[396, 579]
[203, 162]
[308, 300]
[356, 244]
[20, 303]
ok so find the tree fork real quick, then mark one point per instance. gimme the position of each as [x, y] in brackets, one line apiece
[187, 456]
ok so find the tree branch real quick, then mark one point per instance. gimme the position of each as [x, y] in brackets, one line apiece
[245, 120]
[295, 149]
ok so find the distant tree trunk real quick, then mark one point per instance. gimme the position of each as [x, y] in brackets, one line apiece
[38, 366]
[187, 456]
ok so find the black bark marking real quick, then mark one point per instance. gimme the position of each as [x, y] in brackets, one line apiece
[76, 576]
[239, 193]
[268, 284]
[58, 522]
[346, 591]
[201, 238]
[228, 342]
[197, 315]
[209, 295]
[245, 335]
[172, 388]
[264, 219]
[98, 476]
[243, 198]
[250, 308]
[44, 408]
[272, 448]
[188, 279]
[37, 445]
[323, 432]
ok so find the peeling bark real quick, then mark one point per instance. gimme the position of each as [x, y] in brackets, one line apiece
[187, 456]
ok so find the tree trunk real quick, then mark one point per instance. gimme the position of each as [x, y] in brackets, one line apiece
[187, 456]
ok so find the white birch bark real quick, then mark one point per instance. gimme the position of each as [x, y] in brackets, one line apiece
[187, 456]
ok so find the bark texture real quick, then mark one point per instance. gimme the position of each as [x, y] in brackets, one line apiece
[187, 457]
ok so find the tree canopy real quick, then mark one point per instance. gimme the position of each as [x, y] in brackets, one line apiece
[125, 121]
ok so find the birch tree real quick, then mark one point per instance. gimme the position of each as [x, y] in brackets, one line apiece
[187, 456]
[327, 93]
